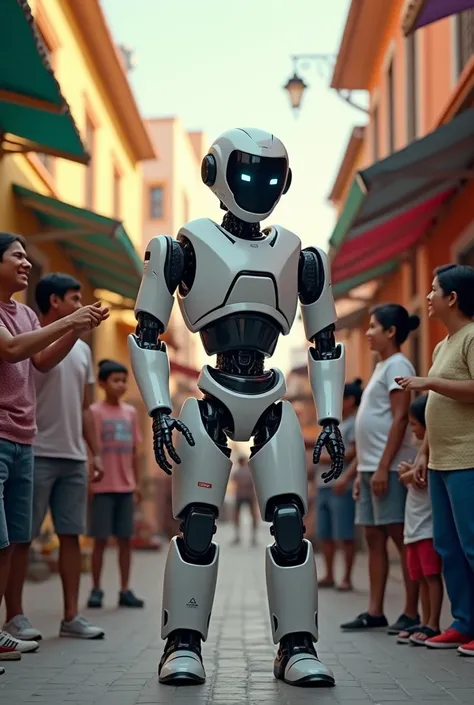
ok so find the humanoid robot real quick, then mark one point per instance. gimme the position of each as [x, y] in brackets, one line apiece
[238, 287]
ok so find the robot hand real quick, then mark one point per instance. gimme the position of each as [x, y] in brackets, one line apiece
[163, 425]
[331, 439]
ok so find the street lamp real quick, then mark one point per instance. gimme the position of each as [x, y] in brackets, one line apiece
[295, 86]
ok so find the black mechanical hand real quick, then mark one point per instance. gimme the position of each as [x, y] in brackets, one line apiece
[163, 425]
[331, 439]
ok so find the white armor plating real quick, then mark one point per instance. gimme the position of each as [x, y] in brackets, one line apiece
[151, 369]
[242, 294]
[240, 275]
[284, 454]
[251, 141]
[300, 582]
[188, 593]
[322, 312]
[204, 480]
[327, 379]
[245, 411]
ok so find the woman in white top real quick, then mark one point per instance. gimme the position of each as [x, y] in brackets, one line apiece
[383, 441]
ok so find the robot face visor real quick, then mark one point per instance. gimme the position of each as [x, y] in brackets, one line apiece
[256, 182]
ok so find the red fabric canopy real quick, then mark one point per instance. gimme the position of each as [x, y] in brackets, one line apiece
[386, 241]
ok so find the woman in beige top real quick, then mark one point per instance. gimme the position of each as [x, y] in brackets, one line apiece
[448, 450]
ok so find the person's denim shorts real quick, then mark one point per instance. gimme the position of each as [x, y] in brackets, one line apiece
[381, 511]
[335, 515]
[16, 492]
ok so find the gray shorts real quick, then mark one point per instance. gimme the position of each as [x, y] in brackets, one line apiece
[60, 484]
[381, 511]
[111, 514]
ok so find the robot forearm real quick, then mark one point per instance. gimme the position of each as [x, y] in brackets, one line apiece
[327, 373]
[326, 360]
[150, 364]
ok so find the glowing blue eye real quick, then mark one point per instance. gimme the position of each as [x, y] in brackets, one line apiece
[273, 182]
[245, 177]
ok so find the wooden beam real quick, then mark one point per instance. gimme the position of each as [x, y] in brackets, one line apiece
[92, 228]
[55, 235]
[15, 143]
[27, 101]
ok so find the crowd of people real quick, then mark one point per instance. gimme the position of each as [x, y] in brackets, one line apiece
[410, 472]
[408, 475]
[57, 448]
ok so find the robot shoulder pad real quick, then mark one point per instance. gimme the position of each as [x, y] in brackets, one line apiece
[200, 229]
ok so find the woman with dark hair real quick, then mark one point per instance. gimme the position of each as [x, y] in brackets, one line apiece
[335, 504]
[383, 441]
[448, 449]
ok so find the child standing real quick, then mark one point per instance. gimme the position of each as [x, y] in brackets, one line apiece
[424, 564]
[335, 504]
[115, 495]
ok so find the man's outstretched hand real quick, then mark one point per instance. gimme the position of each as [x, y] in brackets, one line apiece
[163, 426]
[331, 439]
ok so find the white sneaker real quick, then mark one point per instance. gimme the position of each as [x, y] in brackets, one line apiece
[80, 628]
[11, 649]
[21, 628]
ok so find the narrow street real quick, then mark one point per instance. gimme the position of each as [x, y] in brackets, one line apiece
[369, 668]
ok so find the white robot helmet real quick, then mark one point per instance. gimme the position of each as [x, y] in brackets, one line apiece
[248, 170]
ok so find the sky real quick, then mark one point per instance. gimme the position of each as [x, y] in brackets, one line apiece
[220, 68]
[219, 64]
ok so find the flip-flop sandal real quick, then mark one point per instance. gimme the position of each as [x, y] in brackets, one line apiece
[404, 636]
[326, 584]
[421, 635]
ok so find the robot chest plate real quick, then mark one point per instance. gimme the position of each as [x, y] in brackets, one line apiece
[237, 276]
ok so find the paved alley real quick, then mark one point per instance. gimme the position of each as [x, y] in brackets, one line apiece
[369, 668]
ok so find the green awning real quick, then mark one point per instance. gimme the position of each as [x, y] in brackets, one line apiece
[99, 247]
[34, 116]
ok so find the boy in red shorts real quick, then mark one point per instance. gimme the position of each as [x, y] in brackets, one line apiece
[424, 564]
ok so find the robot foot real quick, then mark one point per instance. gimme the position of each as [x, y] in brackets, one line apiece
[181, 663]
[297, 663]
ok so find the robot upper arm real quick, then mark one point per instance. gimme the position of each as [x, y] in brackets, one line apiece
[315, 292]
[162, 272]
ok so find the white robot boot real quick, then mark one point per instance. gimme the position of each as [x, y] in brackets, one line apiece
[279, 473]
[188, 595]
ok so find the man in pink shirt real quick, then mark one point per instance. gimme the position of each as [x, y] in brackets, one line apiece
[24, 345]
[115, 495]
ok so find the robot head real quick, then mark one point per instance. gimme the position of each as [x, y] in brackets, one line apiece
[248, 171]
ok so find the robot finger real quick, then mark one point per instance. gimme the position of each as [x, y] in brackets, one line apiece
[171, 451]
[186, 432]
[162, 461]
[327, 476]
[317, 451]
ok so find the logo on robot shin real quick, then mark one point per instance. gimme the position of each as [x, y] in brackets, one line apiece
[205, 485]
[192, 603]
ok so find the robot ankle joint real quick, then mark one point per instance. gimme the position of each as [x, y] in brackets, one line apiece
[288, 530]
[198, 528]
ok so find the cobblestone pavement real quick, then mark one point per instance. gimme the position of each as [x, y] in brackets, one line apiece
[369, 668]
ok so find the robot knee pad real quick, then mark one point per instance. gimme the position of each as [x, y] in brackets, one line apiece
[198, 529]
[288, 530]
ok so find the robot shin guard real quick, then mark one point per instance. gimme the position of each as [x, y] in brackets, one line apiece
[188, 592]
[292, 596]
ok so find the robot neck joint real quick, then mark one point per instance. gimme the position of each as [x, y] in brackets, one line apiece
[239, 228]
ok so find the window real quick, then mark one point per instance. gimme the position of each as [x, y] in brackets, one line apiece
[156, 202]
[89, 144]
[375, 134]
[391, 108]
[117, 194]
[463, 39]
[412, 86]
